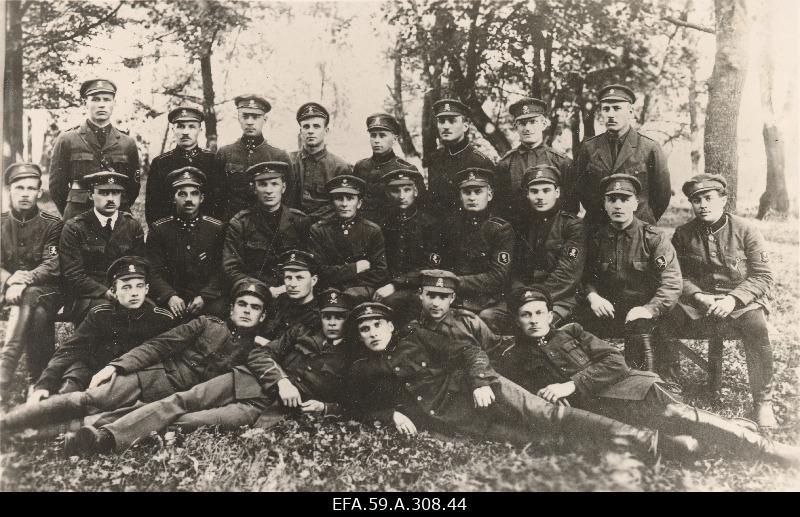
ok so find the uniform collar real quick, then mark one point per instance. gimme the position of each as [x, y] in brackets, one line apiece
[98, 129]
[383, 158]
[432, 324]
[477, 217]
[540, 216]
[630, 231]
[405, 215]
[525, 148]
[322, 153]
[17, 216]
[715, 226]
[189, 153]
[187, 223]
[458, 146]
[251, 142]
[103, 218]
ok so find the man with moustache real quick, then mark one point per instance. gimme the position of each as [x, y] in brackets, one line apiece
[383, 130]
[620, 150]
[313, 165]
[235, 159]
[296, 304]
[185, 250]
[29, 271]
[92, 146]
[91, 241]
[187, 122]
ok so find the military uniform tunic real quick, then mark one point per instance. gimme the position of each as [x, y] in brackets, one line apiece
[512, 167]
[413, 239]
[310, 173]
[30, 245]
[76, 153]
[284, 313]
[371, 170]
[444, 164]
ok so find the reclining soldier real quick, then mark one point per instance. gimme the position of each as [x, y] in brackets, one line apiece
[570, 364]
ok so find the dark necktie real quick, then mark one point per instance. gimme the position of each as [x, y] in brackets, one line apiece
[107, 228]
[614, 141]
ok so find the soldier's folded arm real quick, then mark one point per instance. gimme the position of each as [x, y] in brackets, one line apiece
[59, 175]
[160, 348]
[493, 280]
[567, 274]
[690, 288]
[232, 262]
[671, 285]
[332, 273]
[49, 267]
[264, 361]
[160, 289]
[72, 267]
[607, 363]
[759, 280]
[378, 273]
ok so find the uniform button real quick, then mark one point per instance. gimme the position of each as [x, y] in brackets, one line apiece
[433, 412]
[481, 375]
[389, 356]
[424, 364]
[711, 238]
[397, 368]
[309, 368]
[408, 384]
[299, 378]
[188, 247]
[419, 397]
[713, 253]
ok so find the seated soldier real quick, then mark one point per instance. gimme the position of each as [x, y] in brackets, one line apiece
[28, 275]
[477, 247]
[726, 285]
[94, 239]
[412, 236]
[257, 236]
[570, 364]
[107, 332]
[551, 243]
[426, 381]
[296, 305]
[632, 277]
[174, 361]
[185, 250]
[302, 372]
[349, 248]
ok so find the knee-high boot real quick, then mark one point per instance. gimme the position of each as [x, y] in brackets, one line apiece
[55, 409]
[639, 352]
[41, 343]
[13, 347]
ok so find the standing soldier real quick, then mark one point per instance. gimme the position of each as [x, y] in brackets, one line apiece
[632, 275]
[383, 130]
[727, 283]
[257, 236]
[313, 166]
[350, 249]
[551, 243]
[91, 241]
[158, 199]
[477, 247]
[28, 275]
[620, 150]
[185, 251]
[530, 122]
[234, 159]
[94, 145]
[457, 154]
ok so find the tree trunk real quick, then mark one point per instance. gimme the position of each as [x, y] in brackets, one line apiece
[428, 125]
[694, 125]
[406, 143]
[12, 85]
[208, 100]
[725, 93]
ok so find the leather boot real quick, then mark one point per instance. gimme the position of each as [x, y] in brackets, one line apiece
[55, 409]
[639, 352]
[13, 347]
[41, 342]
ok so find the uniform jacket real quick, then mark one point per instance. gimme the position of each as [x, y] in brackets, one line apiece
[478, 248]
[310, 173]
[107, 332]
[639, 156]
[285, 313]
[86, 252]
[634, 266]
[511, 168]
[73, 158]
[728, 258]
[371, 170]
[234, 159]
[596, 367]
[159, 194]
[252, 248]
[30, 245]
[185, 257]
[192, 353]
[338, 247]
[550, 253]
[444, 164]
[413, 240]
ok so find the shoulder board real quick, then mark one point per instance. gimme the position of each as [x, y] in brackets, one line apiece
[83, 216]
[478, 153]
[165, 153]
[568, 215]
[73, 128]
[124, 131]
[295, 211]
[213, 220]
[47, 215]
[370, 224]
[214, 319]
[405, 162]
[498, 220]
[127, 215]
[242, 213]
[103, 307]
[163, 312]
[464, 313]
[594, 137]
[645, 137]
[509, 153]
[557, 153]
[164, 220]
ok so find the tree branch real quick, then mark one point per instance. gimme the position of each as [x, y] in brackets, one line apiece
[82, 31]
[688, 25]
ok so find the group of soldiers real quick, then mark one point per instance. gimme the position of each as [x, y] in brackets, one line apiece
[272, 283]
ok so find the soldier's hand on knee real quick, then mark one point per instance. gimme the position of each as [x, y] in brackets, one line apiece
[483, 396]
[404, 424]
[37, 396]
[197, 305]
[638, 313]
[14, 293]
[312, 406]
[105, 375]
[177, 306]
[601, 307]
[557, 391]
[20, 277]
[288, 393]
[362, 265]
[384, 292]
[703, 300]
[723, 307]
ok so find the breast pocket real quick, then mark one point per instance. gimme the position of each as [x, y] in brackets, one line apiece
[576, 354]
[82, 163]
[95, 252]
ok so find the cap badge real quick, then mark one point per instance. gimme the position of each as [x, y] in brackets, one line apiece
[446, 106]
[440, 282]
[368, 310]
[471, 176]
[111, 180]
[617, 185]
[251, 287]
[184, 112]
[612, 90]
[344, 181]
[528, 294]
[187, 175]
[538, 174]
[525, 109]
[333, 297]
[293, 257]
[132, 268]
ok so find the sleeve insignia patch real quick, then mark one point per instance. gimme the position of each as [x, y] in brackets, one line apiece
[504, 257]
[764, 257]
[661, 263]
[572, 252]
[435, 259]
[52, 250]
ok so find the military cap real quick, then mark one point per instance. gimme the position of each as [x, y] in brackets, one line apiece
[531, 294]
[312, 109]
[370, 310]
[703, 182]
[616, 92]
[22, 170]
[249, 286]
[541, 174]
[186, 176]
[334, 300]
[298, 260]
[383, 121]
[107, 179]
[185, 113]
[399, 177]
[474, 177]
[267, 170]
[527, 108]
[252, 101]
[345, 183]
[620, 184]
[450, 107]
[93, 86]
[439, 279]
[127, 267]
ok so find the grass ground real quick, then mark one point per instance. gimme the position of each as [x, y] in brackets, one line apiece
[309, 454]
